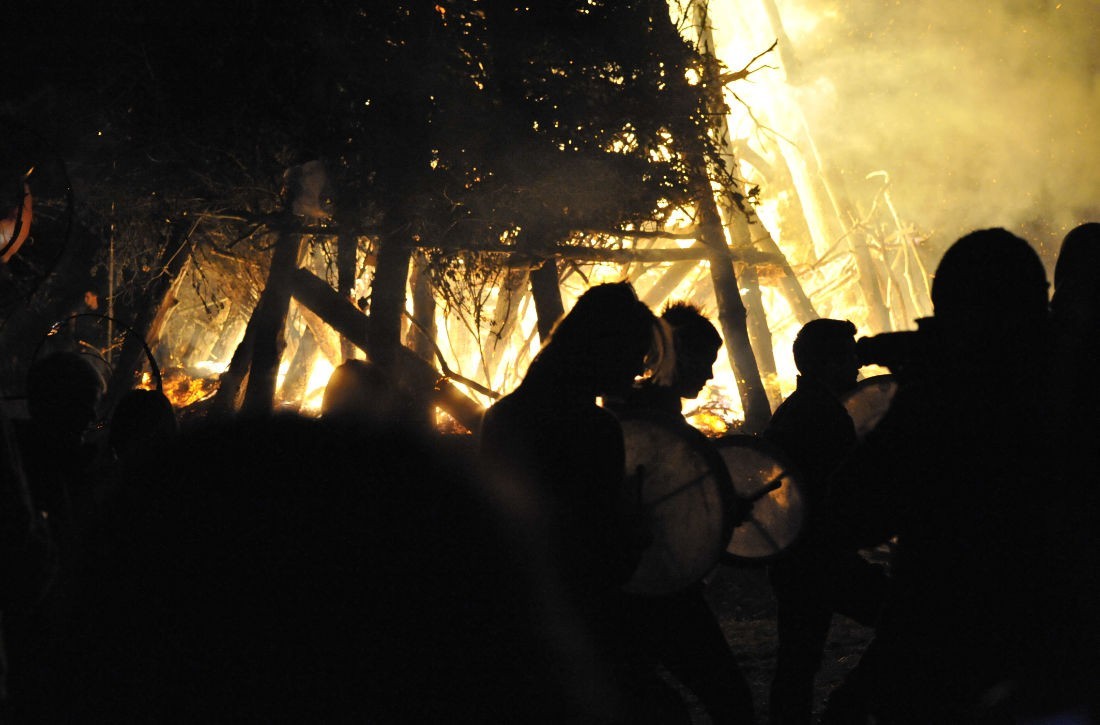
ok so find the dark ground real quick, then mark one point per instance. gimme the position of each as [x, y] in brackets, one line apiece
[742, 598]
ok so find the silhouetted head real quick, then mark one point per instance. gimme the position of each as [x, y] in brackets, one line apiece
[141, 419]
[1076, 301]
[1079, 257]
[601, 344]
[63, 392]
[825, 351]
[359, 390]
[695, 347]
[990, 280]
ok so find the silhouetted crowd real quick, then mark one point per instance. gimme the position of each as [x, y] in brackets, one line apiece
[360, 567]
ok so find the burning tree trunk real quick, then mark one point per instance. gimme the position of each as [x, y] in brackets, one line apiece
[316, 295]
[421, 336]
[759, 335]
[505, 315]
[731, 308]
[270, 314]
[732, 315]
[545, 282]
[297, 375]
[387, 299]
[547, 295]
[789, 285]
[230, 381]
[152, 308]
[347, 245]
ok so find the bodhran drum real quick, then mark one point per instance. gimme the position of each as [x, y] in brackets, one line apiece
[686, 493]
[869, 401]
[762, 478]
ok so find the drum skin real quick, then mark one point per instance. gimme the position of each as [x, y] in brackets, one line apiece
[15, 227]
[761, 476]
[685, 493]
[869, 401]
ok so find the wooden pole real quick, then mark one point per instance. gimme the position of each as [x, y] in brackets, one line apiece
[387, 298]
[421, 336]
[268, 339]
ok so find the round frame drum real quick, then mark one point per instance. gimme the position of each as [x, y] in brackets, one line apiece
[869, 401]
[763, 478]
[686, 494]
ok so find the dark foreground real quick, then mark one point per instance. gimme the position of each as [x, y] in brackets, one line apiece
[742, 598]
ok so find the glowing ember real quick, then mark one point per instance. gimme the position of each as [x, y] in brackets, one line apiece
[181, 389]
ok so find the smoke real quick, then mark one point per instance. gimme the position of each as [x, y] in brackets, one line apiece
[983, 114]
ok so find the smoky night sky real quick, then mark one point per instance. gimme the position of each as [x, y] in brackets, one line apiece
[983, 114]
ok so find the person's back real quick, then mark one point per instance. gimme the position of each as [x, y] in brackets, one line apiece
[950, 475]
[1070, 676]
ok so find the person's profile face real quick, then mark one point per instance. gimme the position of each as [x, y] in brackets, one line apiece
[694, 369]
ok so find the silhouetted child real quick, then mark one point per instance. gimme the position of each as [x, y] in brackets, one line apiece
[813, 581]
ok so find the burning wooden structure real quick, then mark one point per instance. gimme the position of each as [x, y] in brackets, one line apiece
[763, 238]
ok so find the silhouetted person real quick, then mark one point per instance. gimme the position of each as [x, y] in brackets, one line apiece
[568, 451]
[680, 629]
[1075, 306]
[289, 570]
[63, 393]
[27, 554]
[814, 580]
[949, 473]
[1069, 674]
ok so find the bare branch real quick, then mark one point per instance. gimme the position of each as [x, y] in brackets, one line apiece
[727, 78]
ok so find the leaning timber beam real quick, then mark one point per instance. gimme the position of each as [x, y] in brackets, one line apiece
[268, 341]
[315, 294]
[732, 315]
[532, 258]
[156, 300]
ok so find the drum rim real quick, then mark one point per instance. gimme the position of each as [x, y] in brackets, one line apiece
[747, 440]
[704, 445]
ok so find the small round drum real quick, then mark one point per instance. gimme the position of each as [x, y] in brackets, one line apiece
[686, 493]
[869, 401]
[761, 477]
